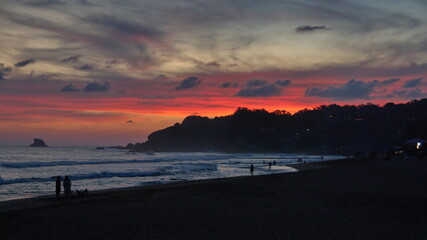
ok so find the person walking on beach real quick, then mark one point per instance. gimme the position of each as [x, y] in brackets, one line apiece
[67, 186]
[58, 186]
[252, 169]
[269, 165]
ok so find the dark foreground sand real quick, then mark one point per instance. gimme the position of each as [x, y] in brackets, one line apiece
[350, 199]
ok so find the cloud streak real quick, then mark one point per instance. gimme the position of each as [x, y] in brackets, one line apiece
[188, 83]
[262, 88]
[70, 88]
[97, 87]
[412, 83]
[308, 29]
[265, 91]
[229, 85]
[86, 67]
[126, 27]
[71, 59]
[25, 62]
[353, 89]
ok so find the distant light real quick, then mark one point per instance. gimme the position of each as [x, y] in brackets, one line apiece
[419, 144]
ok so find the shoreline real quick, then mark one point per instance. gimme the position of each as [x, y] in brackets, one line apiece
[36, 201]
[352, 199]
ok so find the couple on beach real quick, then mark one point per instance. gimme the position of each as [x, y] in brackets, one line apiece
[67, 186]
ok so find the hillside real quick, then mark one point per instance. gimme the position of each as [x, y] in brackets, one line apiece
[331, 128]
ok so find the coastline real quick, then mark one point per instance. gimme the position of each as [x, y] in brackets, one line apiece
[50, 199]
[352, 199]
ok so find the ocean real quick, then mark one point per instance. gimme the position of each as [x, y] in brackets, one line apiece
[28, 172]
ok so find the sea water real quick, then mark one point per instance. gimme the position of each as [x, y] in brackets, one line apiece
[28, 172]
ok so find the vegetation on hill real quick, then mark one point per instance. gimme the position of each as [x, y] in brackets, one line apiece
[331, 128]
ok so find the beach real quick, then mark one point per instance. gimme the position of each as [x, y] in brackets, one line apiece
[345, 199]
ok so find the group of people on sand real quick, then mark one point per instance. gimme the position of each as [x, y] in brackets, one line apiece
[269, 166]
[67, 186]
[270, 163]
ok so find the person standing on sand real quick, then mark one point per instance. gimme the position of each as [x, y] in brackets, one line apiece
[58, 186]
[67, 186]
[252, 169]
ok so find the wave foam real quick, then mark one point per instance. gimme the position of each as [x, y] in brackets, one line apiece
[37, 164]
[86, 176]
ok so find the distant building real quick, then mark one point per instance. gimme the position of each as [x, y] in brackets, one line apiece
[416, 146]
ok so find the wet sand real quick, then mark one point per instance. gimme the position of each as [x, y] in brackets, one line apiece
[346, 199]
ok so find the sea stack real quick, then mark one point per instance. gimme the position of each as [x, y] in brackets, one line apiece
[38, 143]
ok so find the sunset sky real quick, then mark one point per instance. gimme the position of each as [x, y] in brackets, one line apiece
[87, 72]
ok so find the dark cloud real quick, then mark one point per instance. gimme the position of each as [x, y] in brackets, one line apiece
[283, 83]
[412, 83]
[97, 87]
[361, 18]
[389, 81]
[213, 64]
[307, 28]
[48, 75]
[188, 83]
[4, 71]
[226, 85]
[257, 83]
[353, 89]
[45, 3]
[86, 67]
[262, 88]
[25, 62]
[69, 88]
[229, 85]
[126, 27]
[409, 94]
[265, 91]
[114, 62]
[71, 59]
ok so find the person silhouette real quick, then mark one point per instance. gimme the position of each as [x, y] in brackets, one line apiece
[67, 186]
[252, 169]
[58, 186]
[269, 165]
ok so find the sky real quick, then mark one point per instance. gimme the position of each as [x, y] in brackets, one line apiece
[87, 72]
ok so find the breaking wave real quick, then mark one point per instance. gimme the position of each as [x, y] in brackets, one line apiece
[61, 163]
[38, 164]
[86, 176]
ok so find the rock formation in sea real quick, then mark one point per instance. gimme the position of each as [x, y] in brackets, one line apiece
[38, 143]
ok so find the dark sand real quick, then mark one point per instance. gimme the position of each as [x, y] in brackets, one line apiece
[349, 199]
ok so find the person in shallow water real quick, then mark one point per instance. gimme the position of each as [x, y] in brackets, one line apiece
[252, 169]
[67, 186]
[58, 186]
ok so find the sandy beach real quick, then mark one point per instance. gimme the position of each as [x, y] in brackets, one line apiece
[346, 199]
